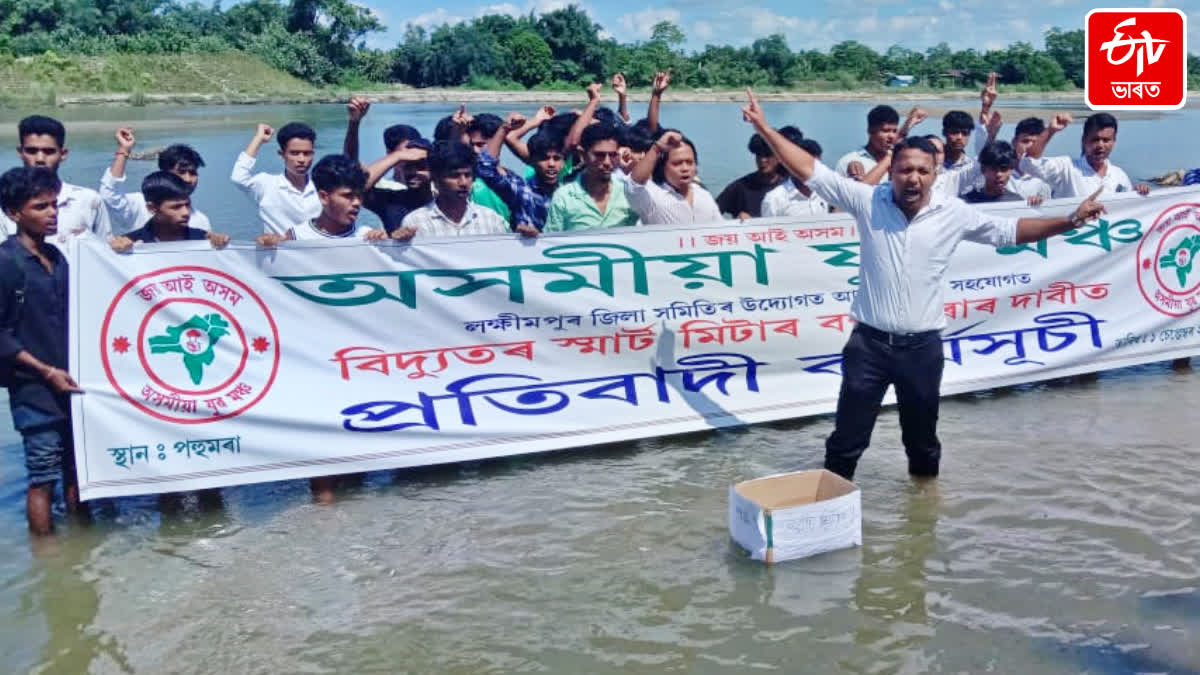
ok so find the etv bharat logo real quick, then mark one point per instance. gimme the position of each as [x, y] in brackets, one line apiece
[1168, 274]
[189, 345]
[1135, 59]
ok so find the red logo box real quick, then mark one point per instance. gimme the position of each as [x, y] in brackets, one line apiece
[1135, 59]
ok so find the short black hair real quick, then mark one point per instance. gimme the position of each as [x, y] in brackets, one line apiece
[161, 186]
[23, 183]
[560, 124]
[40, 125]
[607, 116]
[792, 133]
[641, 126]
[881, 115]
[957, 121]
[395, 134]
[338, 171]
[1032, 126]
[811, 147]
[660, 166]
[998, 155]
[758, 146]
[596, 133]
[486, 124]
[542, 143]
[447, 130]
[179, 155]
[1098, 122]
[450, 156]
[914, 143]
[636, 140]
[295, 130]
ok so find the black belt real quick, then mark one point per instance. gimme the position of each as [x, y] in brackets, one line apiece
[896, 339]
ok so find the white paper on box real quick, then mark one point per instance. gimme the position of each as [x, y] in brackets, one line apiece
[747, 524]
[810, 529]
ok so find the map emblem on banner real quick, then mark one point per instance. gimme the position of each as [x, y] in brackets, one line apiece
[189, 345]
[1135, 59]
[1168, 272]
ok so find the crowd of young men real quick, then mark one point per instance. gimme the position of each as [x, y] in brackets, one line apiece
[583, 170]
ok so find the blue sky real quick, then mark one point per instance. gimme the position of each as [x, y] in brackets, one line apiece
[916, 24]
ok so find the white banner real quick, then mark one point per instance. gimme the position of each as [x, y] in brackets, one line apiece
[206, 368]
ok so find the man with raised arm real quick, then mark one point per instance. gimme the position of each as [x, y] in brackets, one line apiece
[282, 199]
[908, 233]
[128, 212]
[883, 129]
[1091, 170]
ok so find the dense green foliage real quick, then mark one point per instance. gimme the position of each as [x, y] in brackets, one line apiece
[321, 41]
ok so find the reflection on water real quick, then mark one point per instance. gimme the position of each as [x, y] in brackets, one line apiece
[1061, 538]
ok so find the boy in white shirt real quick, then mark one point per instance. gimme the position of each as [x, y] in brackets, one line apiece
[283, 199]
[42, 142]
[1091, 170]
[128, 212]
[340, 182]
[793, 198]
[451, 213]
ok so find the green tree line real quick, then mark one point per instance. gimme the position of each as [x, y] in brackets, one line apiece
[323, 42]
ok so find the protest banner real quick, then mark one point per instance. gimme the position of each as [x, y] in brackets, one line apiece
[205, 368]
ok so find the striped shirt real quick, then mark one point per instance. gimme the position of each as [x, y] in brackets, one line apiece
[429, 221]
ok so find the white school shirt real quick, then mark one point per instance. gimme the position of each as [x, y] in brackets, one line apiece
[127, 211]
[80, 213]
[860, 155]
[310, 232]
[658, 204]
[901, 262]
[786, 199]
[280, 204]
[1074, 177]
[429, 222]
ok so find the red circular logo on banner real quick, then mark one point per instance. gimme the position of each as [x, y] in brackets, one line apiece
[189, 345]
[1168, 267]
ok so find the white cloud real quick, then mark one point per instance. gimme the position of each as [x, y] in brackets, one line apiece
[435, 18]
[503, 8]
[702, 30]
[637, 26]
[757, 22]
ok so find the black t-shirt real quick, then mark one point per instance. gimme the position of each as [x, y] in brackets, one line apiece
[146, 234]
[392, 205]
[746, 194]
[978, 196]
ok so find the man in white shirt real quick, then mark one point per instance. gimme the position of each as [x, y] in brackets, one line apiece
[340, 182]
[127, 211]
[956, 128]
[283, 199]
[1091, 170]
[996, 164]
[451, 213]
[908, 233]
[794, 198]
[80, 211]
[883, 129]
[662, 188]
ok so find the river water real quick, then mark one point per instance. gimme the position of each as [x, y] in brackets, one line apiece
[1061, 537]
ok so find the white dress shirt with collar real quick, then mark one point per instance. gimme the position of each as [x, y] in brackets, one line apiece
[127, 211]
[658, 204]
[902, 262]
[280, 204]
[1074, 177]
[429, 221]
[80, 213]
[786, 199]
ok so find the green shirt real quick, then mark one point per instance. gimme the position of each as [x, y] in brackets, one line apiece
[568, 167]
[572, 208]
[483, 195]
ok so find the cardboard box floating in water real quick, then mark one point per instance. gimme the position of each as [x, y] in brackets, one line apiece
[795, 515]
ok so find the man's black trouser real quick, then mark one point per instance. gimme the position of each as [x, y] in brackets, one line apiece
[872, 360]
